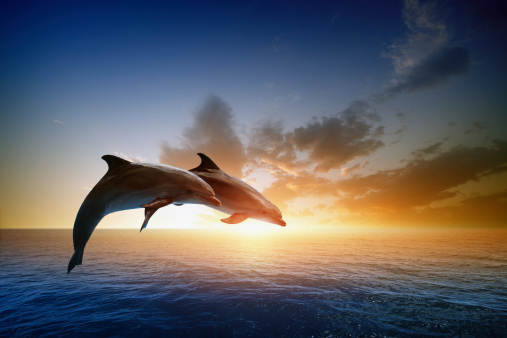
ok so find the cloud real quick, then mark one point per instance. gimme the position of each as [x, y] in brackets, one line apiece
[212, 133]
[483, 210]
[434, 70]
[424, 60]
[425, 34]
[476, 127]
[58, 121]
[429, 150]
[271, 147]
[489, 210]
[423, 181]
[333, 141]
[427, 186]
[407, 195]
[325, 143]
[300, 160]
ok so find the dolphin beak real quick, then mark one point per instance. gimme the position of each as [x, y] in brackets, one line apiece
[212, 200]
[279, 221]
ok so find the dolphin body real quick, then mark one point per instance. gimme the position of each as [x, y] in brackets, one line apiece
[238, 199]
[128, 185]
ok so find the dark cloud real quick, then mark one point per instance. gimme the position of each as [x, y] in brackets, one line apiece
[406, 195]
[429, 150]
[478, 211]
[295, 158]
[432, 71]
[422, 181]
[488, 210]
[475, 128]
[213, 134]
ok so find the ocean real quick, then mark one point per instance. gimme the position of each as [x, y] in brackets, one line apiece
[218, 283]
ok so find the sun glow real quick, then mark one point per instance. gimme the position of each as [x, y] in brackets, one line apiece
[255, 228]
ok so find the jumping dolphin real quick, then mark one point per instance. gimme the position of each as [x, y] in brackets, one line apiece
[239, 199]
[128, 185]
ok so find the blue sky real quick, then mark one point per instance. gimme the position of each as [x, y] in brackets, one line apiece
[85, 78]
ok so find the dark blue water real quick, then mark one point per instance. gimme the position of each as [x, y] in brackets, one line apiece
[206, 283]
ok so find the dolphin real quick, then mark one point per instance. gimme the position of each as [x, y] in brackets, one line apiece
[239, 199]
[128, 185]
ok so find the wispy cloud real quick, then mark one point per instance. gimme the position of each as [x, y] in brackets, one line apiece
[58, 121]
[424, 59]
[425, 34]
[475, 128]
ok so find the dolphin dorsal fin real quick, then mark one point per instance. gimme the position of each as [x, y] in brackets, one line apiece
[114, 161]
[206, 164]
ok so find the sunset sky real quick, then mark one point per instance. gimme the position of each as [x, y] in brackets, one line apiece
[344, 113]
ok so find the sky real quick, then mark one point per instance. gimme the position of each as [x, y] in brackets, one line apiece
[344, 113]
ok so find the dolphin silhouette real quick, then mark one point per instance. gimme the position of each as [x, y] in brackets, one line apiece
[239, 199]
[128, 185]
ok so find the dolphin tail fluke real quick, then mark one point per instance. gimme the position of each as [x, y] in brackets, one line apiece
[77, 259]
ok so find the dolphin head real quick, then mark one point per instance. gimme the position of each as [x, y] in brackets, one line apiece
[271, 215]
[207, 200]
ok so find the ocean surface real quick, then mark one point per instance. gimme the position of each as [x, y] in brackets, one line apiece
[217, 283]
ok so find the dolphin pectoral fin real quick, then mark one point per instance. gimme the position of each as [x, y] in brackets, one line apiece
[148, 212]
[235, 219]
[152, 207]
[158, 203]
